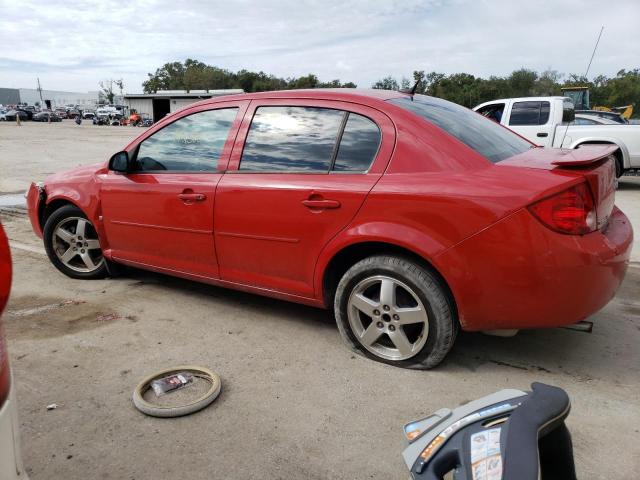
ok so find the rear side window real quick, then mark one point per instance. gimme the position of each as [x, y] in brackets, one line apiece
[492, 111]
[529, 113]
[291, 139]
[486, 137]
[192, 143]
[358, 146]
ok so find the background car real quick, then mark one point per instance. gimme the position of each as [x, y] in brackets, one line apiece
[409, 216]
[3, 115]
[73, 113]
[10, 460]
[11, 115]
[613, 116]
[30, 109]
[46, 116]
[62, 113]
[88, 115]
[583, 119]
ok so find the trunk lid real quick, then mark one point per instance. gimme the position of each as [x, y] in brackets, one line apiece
[595, 163]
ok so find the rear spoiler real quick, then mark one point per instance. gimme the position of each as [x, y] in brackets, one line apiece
[584, 155]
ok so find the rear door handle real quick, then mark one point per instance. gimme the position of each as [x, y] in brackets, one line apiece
[192, 197]
[542, 134]
[321, 204]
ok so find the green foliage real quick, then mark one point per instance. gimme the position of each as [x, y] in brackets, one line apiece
[388, 83]
[467, 90]
[106, 89]
[196, 75]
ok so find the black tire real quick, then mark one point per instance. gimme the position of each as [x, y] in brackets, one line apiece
[619, 166]
[442, 319]
[58, 216]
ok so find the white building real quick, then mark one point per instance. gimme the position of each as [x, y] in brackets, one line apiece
[158, 105]
[48, 98]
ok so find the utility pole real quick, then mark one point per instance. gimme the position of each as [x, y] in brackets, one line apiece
[40, 91]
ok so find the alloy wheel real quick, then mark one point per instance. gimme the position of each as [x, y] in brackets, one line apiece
[388, 318]
[75, 243]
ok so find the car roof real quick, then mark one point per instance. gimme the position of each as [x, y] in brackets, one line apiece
[345, 94]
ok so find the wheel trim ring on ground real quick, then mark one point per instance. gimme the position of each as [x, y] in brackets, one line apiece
[359, 330]
[58, 240]
[177, 411]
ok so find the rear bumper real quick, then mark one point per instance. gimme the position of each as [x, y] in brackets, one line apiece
[11, 467]
[519, 274]
[35, 203]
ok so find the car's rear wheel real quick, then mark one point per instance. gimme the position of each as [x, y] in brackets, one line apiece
[619, 167]
[395, 311]
[72, 244]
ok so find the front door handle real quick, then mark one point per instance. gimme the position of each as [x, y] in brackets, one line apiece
[542, 134]
[192, 197]
[321, 204]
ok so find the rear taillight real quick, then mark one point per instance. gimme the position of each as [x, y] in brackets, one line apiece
[571, 211]
[5, 286]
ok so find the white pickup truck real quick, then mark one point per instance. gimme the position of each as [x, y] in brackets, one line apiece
[549, 122]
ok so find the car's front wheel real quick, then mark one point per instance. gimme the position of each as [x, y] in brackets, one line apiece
[72, 244]
[395, 311]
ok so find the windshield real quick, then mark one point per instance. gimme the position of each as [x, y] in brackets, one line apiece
[485, 136]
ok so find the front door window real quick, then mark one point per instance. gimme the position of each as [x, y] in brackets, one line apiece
[190, 144]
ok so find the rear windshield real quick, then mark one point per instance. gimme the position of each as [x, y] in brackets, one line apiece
[485, 136]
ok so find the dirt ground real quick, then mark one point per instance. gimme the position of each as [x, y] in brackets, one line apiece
[295, 402]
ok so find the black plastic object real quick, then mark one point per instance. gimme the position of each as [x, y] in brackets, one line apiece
[521, 438]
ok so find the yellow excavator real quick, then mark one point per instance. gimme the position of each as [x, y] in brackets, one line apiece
[580, 97]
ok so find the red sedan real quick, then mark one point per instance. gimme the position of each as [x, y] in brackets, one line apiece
[11, 467]
[409, 216]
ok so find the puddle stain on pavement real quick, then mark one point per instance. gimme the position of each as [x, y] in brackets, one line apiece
[33, 317]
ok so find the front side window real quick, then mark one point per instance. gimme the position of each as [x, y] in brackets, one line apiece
[529, 113]
[193, 143]
[291, 139]
[489, 139]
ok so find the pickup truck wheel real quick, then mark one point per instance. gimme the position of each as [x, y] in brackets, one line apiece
[395, 311]
[72, 244]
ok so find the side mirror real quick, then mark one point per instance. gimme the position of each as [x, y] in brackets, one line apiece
[568, 114]
[119, 162]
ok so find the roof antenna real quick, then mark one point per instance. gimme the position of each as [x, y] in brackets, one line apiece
[585, 76]
[411, 91]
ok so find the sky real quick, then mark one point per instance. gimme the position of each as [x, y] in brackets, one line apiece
[73, 44]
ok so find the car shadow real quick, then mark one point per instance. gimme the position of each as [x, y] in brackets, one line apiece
[232, 298]
[541, 352]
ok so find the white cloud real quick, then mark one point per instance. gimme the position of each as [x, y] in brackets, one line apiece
[73, 44]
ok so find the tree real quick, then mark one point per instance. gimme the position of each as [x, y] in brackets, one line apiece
[521, 82]
[547, 84]
[168, 77]
[120, 84]
[196, 75]
[309, 81]
[106, 90]
[387, 83]
[467, 90]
